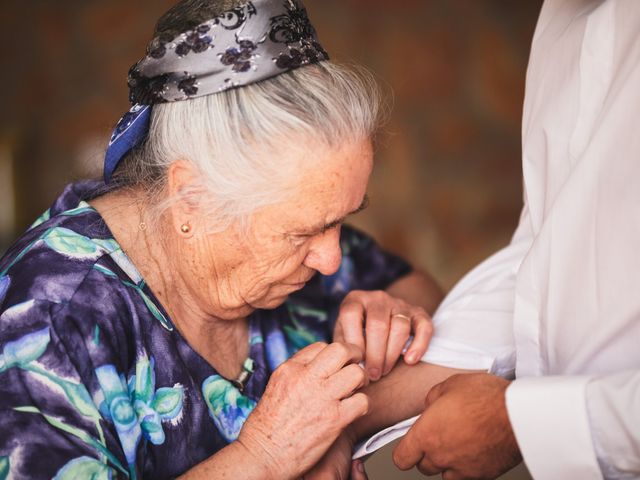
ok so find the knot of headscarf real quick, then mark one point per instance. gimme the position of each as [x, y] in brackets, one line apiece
[251, 42]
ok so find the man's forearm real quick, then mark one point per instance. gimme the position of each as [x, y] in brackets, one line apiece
[400, 395]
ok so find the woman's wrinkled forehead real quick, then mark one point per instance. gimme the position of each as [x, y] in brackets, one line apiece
[332, 188]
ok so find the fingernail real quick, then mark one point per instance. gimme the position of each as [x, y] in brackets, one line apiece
[360, 467]
[374, 373]
[410, 357]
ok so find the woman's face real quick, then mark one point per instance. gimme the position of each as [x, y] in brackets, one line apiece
[257, 267]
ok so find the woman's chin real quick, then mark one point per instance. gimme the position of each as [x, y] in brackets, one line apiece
[277, 296]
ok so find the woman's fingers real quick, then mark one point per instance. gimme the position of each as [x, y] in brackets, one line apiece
[377, 334]
[388, 324]
[333, 357]
[308, 353]
[399, 333]
[422, 328]
[357, 470]
[350, 323]
[353, 407]
[344, 382]
[308, 402]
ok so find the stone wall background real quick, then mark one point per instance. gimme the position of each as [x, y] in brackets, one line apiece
[446, 191]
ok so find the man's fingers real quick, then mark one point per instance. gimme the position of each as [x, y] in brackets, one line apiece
[398, 334]
[353, 407]
[334, 357]
[452, 475]
[350, 324]
[405, 457]
[409, 451]
[422, 333]
[377, 333]
[344, 382]
[426, 467]
[434, 394]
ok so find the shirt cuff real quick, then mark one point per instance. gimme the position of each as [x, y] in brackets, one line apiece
[550, 422]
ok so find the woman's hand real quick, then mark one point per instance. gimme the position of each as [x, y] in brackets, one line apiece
[381, 325]
[337, 464]
[308, 402]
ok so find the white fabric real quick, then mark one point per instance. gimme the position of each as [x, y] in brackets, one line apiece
[613, 404]
[540, 405]
[563, 299]
[382, 438]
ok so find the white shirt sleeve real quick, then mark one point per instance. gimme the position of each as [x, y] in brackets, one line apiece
[578, 426]
[549, 418]
[473, 327]
[613, 408]
[568, 298]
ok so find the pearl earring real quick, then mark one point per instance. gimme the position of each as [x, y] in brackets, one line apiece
[185, 228]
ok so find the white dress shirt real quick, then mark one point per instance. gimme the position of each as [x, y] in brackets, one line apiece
[559, 307]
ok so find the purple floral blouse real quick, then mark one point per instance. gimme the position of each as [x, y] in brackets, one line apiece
[96, 382]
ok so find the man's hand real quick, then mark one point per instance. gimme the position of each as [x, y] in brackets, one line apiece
[464, 431]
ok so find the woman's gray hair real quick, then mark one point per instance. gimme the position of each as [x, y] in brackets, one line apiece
[234, 138]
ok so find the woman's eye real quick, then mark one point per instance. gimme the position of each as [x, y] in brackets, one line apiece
[299, 240]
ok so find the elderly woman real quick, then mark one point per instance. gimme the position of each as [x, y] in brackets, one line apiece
[168, 320]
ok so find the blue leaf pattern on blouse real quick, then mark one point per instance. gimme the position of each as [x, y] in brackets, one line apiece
[5, 283]
[118, 408]
[24, 350]
[227, 406]
[91, 366]
[84, 467]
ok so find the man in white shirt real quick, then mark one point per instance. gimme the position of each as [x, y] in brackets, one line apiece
[559, 308]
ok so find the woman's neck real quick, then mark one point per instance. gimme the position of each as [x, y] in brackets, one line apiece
[222, 342]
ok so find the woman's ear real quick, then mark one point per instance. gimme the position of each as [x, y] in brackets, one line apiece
[183, 186]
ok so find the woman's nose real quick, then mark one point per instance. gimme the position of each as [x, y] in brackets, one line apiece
[325, 255]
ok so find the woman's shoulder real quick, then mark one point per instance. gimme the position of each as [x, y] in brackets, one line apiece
[65, 319]
[61, 289]
[64, 261]
[54, 256]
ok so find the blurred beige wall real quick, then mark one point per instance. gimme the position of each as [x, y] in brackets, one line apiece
[446, 191]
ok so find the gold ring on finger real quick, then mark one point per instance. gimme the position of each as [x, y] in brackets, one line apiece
[401, 315]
